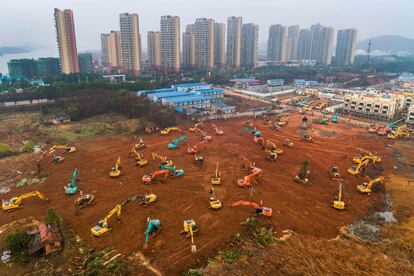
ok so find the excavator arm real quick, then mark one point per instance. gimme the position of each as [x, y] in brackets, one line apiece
[15, 201]
[116, 210]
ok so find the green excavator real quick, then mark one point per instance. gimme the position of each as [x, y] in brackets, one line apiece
[176, 172]
[175, 144]
[153, 227]
[71, 188]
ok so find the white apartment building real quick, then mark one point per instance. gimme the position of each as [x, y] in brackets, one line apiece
[372, 105]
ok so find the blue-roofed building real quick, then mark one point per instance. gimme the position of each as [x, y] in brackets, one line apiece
[303, 82]
[146, 92]
[191, 86]
[191, 101]
[275, 82]
[213, 93]
[157, 97]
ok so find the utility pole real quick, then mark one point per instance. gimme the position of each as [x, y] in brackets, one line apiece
[369, 52]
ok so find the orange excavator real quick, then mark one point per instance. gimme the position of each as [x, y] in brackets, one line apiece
[152, 177]
[245, 181]
[260, 210]
[259, 140]
[218, 131]
[196, 149]
[247, 164]
[203, 135]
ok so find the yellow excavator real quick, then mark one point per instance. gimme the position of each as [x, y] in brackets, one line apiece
[307, 138]
[163, 159]
[139, 158]
[366, 188]
[14, 202]
[338, 203]
[190, 228]
[197, 125]
[373, 158]
[215, 179]
[68, 149]
[273, 146]
[270, 155]
[356, 170]
[288, 143]
[140, 144]
[116, 169]
[167, 130]
[401, 131]
[215, 204]
[303, 174]
[102, 227]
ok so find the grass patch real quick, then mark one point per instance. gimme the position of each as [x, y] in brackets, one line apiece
[192, 272]
[229, 256]
[6, 150]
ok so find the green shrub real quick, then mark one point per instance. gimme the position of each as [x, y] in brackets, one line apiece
[17, 242]
[44, 110]
[52, 217]
[264, 237]
[192, 272]
[231, 256]
[27, 147]
[6, 150]
[73, 113]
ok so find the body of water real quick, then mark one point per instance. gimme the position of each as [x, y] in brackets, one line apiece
[34, 54]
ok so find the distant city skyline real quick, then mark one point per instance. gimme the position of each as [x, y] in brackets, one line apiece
[390, 17]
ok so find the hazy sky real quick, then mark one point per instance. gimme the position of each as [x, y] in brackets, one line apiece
[31, 21]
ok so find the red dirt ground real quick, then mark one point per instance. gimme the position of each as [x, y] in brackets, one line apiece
[303, 209]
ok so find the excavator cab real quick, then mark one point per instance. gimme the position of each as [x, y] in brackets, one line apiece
[272, 156]
[140, 144]
[264, 211]
[190, 227]
[84, 200]
[103, 227]
[215, 204]
[198, 160]
[334, 172]
[307, 138]
[116, 169]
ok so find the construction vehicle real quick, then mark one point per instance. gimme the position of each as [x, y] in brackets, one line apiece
[196, 149]
[163, 159]
[102, 227]
[152, 177]
[197, 125]
[190, 228]
[283, 121]
[203, 135]
[143, 199]
[167, 130]
[367, 188]
[373, 158]
[116, 169]
[245, 181]
[305, 110]
[253, 131]
[140, 144]
[304, 122]
[14, 202]
[307, 138]
[356, 170]
[71, 188]
[303, 174]
[139, 158]
[270, 155]
[320, 121]
[247, 164]
[84, 200]
[402, 131]
[57, 159]
[198, 160]
[335, 118]
[175, 172]
[215, 179]
[153, 227]
[68, 149]
[259, 140]
[175, 144]
[334, 172]
[215, 204]
[218, 131]
[338, 203]
[273, 146]
[288, 143]
[259, 210]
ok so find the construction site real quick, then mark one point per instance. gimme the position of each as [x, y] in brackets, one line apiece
[291, 172]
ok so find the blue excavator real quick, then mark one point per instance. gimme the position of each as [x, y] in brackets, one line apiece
[252, 131]
[176, 172]
[153, 227]
[175, 144]
[71, 188]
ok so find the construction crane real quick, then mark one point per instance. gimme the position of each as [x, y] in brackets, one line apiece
[197, 125]
[175, 144]
[139, 158]
[369, 53]
[218, 131]
[203, 135]
[140, 144]
[68, 149]
[103, 227]
[215, 179]
[259, 210]
[152, 177]
[71, 188]
[338, 203]
[153, 227]
[190, 228]
[167, 130]
[116, 169]
[163, 159]
[366, 188]
[356, 170]
[14, 202]
[196, 149]
[215, 204]
[303, 174]
[273, 146]
[245, 181]
[175, 172]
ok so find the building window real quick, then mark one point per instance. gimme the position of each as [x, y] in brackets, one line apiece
[384, 112]
[385, 107]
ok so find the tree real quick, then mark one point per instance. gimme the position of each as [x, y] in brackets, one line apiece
[44, 110]
[73, 112]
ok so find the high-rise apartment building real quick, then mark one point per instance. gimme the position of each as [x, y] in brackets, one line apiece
[234, 28]
[190, 28]
[249, 44]
[345, 46]
[276, 45]
[154, 49]
[66, 38]
[204, 43]
[304, 45]
[170, 43]
[219, 44]
[189, 50]
[85, 62]
[111, 50]
[130, 41]
[321, 43]
[292, 42]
